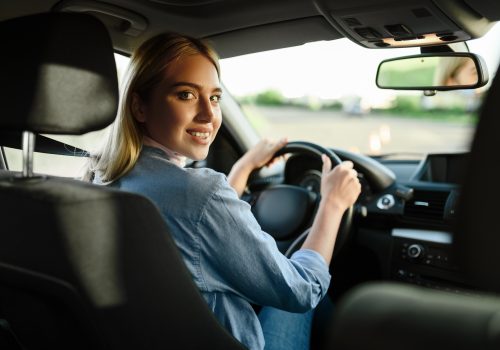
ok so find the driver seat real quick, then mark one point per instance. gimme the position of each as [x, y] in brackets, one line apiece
[82, 266]
[396, 316]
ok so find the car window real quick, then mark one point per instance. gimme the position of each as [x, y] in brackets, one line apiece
[67, 166]
[325, 92]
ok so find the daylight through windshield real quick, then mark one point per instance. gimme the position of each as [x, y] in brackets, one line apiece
[325, 92]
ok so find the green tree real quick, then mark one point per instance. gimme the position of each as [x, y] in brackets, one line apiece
[270, 98]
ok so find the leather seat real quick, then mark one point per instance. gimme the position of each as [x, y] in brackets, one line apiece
[82, 266]
[395, 316]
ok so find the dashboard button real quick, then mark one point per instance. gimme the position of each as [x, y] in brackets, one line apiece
[386, 202]
[415, 250]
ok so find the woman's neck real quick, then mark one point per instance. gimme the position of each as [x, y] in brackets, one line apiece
[174, 157]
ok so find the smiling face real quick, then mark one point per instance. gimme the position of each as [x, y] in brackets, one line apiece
[182, 112]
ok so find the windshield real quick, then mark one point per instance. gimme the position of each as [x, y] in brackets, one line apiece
[325, 92]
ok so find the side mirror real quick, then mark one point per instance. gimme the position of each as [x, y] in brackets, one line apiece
[436, 71]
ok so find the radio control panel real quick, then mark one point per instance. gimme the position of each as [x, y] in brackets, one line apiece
[425, 262]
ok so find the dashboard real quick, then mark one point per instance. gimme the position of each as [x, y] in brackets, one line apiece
[421, 234]
[403, 231]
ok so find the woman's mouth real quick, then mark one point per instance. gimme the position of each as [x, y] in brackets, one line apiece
[201, 137]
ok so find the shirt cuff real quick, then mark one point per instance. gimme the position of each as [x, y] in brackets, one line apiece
[314, 261]
[312, 255]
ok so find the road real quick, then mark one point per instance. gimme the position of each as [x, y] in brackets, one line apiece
[370, 134]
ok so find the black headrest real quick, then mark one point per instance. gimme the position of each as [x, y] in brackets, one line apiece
[478, 231]
[57, 73]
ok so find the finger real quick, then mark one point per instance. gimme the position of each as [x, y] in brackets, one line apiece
[347, 164]
[327, 164]
[280, 144]
[274, 161]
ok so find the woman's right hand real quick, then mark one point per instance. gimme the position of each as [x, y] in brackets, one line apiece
[340, 187]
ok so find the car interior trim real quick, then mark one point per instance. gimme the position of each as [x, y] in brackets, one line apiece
[380, 177]
[3, 160]
[292, 32]
[137, 24]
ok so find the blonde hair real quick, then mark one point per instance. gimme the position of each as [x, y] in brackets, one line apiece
[123, 146]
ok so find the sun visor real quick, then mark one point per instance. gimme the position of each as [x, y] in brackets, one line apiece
[273, 36]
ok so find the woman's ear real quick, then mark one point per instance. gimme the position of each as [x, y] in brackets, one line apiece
[138, 108]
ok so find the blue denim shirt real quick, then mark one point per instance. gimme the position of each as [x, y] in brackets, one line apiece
[232, 261]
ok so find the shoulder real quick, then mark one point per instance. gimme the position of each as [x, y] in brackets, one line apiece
[206, 178]
[154, 171]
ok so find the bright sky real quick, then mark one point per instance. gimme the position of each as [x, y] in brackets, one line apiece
[328, 69]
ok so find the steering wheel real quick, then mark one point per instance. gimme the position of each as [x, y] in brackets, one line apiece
[285, 210]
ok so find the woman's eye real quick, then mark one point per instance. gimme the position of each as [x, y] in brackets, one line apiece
[185, 95]
[216, 98]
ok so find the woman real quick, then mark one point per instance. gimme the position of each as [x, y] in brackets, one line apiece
[169, 111]
[453, 71]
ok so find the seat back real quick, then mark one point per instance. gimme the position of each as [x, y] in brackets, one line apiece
[394, 316]
[83, 266]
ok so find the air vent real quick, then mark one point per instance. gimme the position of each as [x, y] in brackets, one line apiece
[426, 206]
[351, 21]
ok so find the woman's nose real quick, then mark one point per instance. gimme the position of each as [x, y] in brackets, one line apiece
[206, 111]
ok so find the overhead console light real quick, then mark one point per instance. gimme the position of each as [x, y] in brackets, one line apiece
[408, 23]
[421, 40]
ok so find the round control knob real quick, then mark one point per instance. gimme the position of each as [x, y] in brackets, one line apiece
[415, 250]
[386, 202]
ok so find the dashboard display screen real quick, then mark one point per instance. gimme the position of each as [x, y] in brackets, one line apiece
[446, 168]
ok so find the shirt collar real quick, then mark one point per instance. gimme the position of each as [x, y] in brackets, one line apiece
[176, 158]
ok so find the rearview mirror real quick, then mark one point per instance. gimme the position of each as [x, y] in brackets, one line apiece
[436, 71]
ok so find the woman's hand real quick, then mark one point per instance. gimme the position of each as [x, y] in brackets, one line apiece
[262, 153]
[258, 156]
[340, 187]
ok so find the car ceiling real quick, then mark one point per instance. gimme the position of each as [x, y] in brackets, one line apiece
[238, 27]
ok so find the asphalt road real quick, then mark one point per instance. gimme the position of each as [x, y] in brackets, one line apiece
[369, 134]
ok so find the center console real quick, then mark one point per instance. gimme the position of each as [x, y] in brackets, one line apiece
[424, 257]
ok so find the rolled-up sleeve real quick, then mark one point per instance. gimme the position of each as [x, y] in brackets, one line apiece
[236, 256]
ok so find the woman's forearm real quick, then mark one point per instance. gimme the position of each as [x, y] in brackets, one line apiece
[238, 177]
[324, 230]
[340, 188]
